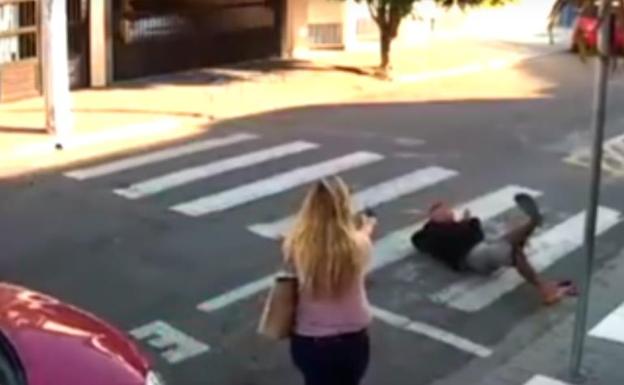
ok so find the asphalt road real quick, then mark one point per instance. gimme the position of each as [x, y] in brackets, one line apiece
[147, 263]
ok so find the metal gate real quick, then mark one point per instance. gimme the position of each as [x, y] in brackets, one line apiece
[159, 36]
[20, 51]
[78, 42]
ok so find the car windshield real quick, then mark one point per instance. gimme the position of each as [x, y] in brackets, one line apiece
[11, 370]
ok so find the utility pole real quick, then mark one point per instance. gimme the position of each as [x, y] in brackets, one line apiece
[59, 121]
[599, 117]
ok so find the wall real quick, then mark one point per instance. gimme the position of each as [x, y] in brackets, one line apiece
[325, 11]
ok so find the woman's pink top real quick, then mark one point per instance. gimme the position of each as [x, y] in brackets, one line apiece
[329, 317]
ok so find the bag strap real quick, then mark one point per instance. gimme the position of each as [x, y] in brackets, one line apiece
[287, 270]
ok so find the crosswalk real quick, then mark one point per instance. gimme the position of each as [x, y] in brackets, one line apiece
[543, 380]
[158, 156]
[179, 178]
[469, 294]
[611, 328]
[612, 158]
[371, 197]
[274, 184]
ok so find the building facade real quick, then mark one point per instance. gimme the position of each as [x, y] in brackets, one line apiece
[114, 40]
[20, 51]
[348, 24]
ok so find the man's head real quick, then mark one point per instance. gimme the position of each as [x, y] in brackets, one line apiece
[441, 212]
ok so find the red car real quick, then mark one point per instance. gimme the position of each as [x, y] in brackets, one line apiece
[44, 341]
[586, 30]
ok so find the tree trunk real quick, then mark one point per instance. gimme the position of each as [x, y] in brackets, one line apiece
[388, 18]
[386, 43]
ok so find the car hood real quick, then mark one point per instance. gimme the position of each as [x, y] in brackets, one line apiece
[59, 343]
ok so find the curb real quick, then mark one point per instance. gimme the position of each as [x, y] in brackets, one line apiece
[494, 64]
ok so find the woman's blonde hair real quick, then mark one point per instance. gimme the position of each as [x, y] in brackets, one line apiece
[323, 243]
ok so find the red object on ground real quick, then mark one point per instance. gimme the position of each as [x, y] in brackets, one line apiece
[47, 340]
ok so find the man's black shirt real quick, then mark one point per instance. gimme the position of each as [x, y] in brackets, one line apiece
[449, 242]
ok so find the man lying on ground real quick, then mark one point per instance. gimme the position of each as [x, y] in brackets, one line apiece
[463, 246]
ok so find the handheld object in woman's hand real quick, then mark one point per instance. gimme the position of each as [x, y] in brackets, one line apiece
[369, 213]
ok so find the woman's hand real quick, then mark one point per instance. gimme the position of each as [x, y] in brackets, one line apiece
[368, 225]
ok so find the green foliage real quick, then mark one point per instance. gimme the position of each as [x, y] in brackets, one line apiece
[388, 15]
[473, 3]
[405, 6]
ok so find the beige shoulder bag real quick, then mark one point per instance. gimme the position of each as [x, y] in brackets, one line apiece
[278, 316]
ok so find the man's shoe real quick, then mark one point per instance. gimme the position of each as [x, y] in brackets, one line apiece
[529, 206]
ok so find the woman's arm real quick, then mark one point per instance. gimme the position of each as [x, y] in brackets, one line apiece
[365, 243]
[368, 226]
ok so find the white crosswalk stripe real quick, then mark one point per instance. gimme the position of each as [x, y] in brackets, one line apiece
[543, 380]
[274, 184]
[611, 328]
[182, 177]
[157, 156]
[389, 249]
[430, 331]
[475, 293]
[370, 197]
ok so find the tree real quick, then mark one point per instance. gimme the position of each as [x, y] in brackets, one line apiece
[388, 15]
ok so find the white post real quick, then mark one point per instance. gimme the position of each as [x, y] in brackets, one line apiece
[54, 51]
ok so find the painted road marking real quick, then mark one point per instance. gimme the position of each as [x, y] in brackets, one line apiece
[389, 249]
[274, 185]
[158, 156]
[432, 332]
[238, 294]
[612, 160]
[127, 132]
[175, 345]
[475, 293]
[541, 380]
[371, 197]
[182, 177]
[611, 327]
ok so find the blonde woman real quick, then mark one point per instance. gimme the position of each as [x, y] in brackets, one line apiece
[330, 256]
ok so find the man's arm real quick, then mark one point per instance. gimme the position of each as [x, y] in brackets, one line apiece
[420, 240]
[474, 228]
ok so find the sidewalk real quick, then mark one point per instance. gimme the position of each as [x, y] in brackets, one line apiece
[546, 361]
[173, 107]
[156, 110]
[439, 54]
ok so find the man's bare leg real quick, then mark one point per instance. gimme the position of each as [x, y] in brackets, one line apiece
[519, 236]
